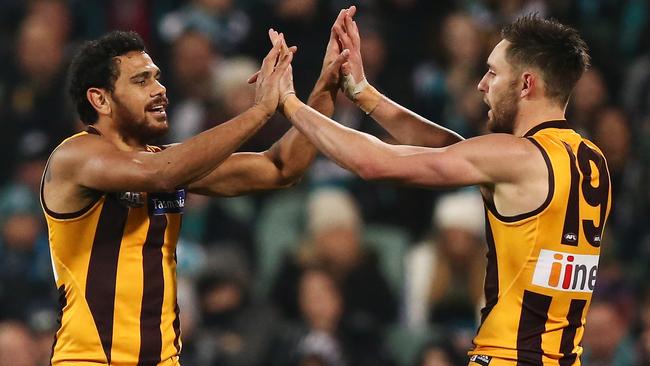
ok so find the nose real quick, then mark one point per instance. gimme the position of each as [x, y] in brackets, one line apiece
[482, 85]
[159, 88]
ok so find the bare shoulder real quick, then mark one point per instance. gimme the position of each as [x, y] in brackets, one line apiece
[503, 157]
[67, 157]
[62, 192]
[501, 146]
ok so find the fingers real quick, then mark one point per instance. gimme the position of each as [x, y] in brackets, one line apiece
[352, 30]
[346, 68]
[284, 62]
[278, 53]
[340, 59]
[344, 38]
[351, 11]
[253, 78]
[338, 22]
[273, 35]
[343, 57]
[271, 58]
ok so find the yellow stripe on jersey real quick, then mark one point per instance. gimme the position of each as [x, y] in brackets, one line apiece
[115, 268]
[542, 265]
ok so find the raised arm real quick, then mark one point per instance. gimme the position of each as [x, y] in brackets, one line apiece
[287, 160]
[404, 125]
[93, 162]
[469, 162]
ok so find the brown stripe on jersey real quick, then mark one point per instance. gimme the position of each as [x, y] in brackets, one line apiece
[532, 323]
[491, 286]
[571, 231]
[153, 292]
[102, 269]
[177, 320]
[569, 333]
[177, 328]
[549, 196]
[63, 301]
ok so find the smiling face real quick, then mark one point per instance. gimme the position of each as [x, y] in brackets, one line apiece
[500, 92]
[139, 100]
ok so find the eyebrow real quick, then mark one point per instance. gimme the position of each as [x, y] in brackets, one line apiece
[145, 74]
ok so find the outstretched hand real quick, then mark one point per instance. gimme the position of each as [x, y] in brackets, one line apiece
[347, 34]
[354, 83]
[335, 54]
[274, 66]
[273, 36]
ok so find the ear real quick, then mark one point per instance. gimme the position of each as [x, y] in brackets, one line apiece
[98, 98]
[529, 82]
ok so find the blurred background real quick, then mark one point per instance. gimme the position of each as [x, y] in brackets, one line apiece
[334, 271]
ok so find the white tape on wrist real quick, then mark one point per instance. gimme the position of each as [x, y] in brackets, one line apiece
[351, 88]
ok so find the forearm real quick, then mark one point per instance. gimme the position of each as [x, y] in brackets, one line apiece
[193, 159]
[409, 128]
[404, 125]
[293, 153]
[328, 136]
[322, 99]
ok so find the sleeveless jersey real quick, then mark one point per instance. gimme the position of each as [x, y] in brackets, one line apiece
[114, 264]
[542, 265]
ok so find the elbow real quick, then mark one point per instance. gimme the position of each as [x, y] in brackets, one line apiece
[161, 181]
[370, 171]
[287, 181]
[163, 184]
[166, 186]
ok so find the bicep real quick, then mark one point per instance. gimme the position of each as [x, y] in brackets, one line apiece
[97, 165]
[240, 173]
[437, 168]
[113, 171]
[479, 161]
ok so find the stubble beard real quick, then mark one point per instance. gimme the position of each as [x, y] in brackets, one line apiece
[504, 112]
[132, 126]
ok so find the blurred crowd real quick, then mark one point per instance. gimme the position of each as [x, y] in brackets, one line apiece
[334, 271]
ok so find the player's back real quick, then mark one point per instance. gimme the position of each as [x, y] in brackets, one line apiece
[542, 265]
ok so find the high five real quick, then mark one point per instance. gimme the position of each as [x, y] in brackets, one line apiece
[546, 189]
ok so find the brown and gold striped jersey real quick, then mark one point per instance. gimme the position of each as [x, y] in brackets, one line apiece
[542, 265]
[114, 264]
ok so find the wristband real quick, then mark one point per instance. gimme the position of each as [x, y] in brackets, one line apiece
[364, 95]
[368, 99]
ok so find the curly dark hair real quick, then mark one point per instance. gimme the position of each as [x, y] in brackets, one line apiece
[555, 49]
[95, 66]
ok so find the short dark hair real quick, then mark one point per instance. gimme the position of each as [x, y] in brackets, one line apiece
[555, 49]
[94, 66]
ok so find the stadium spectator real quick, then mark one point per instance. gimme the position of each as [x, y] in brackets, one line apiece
[334, 243]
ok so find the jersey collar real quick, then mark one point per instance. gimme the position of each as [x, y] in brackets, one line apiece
[560, 123]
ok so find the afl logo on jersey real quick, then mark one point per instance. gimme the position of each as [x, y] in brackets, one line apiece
[131, 199]
[565, 271]
[162, 203]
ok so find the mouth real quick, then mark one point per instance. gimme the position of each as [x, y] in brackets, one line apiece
[489, 112]
[158, 111]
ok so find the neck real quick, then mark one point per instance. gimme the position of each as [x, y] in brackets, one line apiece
[532, 113]
[123, 142]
